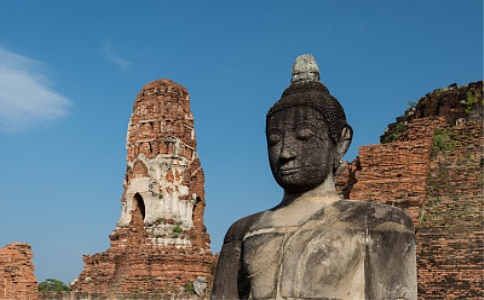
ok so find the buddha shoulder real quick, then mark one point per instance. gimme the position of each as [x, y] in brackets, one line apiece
[240, 227]
[372, 215]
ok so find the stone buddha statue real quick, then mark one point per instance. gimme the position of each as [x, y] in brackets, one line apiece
[313, 244]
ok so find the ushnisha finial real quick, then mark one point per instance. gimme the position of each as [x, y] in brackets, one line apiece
[305, 68]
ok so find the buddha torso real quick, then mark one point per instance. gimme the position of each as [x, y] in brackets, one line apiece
[311, 248]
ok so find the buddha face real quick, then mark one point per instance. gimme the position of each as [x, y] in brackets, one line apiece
[301, 150]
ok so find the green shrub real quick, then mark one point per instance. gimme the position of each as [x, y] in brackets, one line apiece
[442, 141]
[411, 104]
[472, 98]
[395, 133]
[177, 228]
[190, 288]
[52, 285]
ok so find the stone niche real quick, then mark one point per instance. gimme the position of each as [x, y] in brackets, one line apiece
[160, 243]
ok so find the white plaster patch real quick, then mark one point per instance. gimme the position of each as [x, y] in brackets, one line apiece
[163, 199]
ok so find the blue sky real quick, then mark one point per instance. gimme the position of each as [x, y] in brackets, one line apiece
[70, 71]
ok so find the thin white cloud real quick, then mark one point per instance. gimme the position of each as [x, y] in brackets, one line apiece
[26, 96]
[109, 54]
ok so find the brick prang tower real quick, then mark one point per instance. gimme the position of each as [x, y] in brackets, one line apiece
[160, 243]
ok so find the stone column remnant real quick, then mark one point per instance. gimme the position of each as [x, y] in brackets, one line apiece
[160, 242]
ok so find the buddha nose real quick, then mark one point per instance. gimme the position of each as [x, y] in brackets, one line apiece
[288, 152]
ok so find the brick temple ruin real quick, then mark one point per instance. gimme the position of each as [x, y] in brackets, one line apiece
[160, 243]
[17, 279]
[430, 163]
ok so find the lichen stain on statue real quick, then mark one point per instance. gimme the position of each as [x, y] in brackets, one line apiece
[315, 245]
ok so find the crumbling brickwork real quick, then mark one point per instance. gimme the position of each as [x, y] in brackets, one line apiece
[17, 279]
[453, 104]
[450, 234]
[160, 243]
[430, 163]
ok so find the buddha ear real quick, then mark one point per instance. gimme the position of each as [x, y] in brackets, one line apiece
[343, 145]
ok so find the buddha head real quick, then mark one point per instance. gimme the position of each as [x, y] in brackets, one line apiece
[306, 130]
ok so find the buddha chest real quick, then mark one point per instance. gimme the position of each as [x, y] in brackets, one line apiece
[320, 257]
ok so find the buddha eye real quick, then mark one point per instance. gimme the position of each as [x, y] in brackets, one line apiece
[274, 139]
[304, 133]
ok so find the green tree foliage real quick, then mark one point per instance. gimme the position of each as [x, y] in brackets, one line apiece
[52, 285]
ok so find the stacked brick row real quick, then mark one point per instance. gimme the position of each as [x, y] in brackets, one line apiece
[451, 252]
[455, 180]
[146, 270]
[450, 263]
[17, 279]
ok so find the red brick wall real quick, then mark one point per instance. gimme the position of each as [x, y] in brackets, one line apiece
[144, 269]
[450, 237]
[431, 165]
[17, 279]
[450, 262]
[393, 173]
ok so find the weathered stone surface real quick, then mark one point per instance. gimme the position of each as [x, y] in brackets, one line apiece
[160, 243]
[200, 285]
[314, 245]
[17, 279]
[431, 165]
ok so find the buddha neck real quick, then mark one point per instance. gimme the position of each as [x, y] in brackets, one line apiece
[324, 193]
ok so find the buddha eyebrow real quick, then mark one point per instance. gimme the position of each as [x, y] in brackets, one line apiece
[306, 124]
